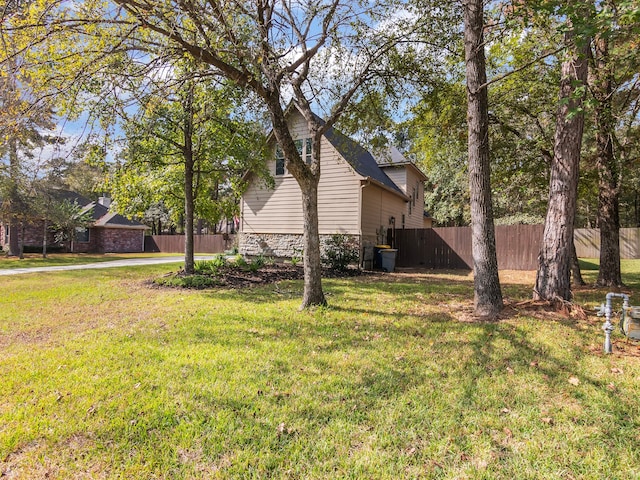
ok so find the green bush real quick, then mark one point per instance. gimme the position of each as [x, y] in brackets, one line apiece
[190, 281]
[257, 263]
[210, 267]
[254, 265]
[340, 251]
[297, 256]
[240, 261]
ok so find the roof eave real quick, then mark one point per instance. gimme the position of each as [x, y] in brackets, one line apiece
[373, 181]
[123, 227]
[404, 164]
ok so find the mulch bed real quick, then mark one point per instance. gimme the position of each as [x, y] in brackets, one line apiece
[237, 277]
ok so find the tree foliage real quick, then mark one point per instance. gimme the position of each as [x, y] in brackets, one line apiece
[188, 147]
[315, 53]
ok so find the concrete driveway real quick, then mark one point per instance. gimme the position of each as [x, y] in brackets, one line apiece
[128, 262]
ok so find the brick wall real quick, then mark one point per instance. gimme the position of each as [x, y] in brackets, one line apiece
[32, 235]
[112, 240]
[101, 240]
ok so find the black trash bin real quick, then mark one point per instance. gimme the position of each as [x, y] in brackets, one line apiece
[377, 257]
[388, 259]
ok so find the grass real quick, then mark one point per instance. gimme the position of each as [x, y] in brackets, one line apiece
[55, 259]
[102, 376]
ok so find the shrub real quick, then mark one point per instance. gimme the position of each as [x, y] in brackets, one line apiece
[189, 281]
[210, 267]
[202, 267]
[296, 257]
[254, 265]
[257, 263]
[240, 261]
[340, 251]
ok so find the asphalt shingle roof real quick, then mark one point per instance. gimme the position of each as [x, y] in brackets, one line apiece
[359, 158]
[100, 213]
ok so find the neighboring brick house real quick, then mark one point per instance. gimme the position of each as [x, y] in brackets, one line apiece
[109, 233]
[364, 196]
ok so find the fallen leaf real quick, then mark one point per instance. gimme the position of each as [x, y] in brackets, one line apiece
[617, 371]
[510, 370]
[505, 411]
[508, 432]
[547, 420]
[284, 429]
[575, 381]
[611, 387]
[533, 364]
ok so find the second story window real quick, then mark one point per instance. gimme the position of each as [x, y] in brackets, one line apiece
[303, 146]
[307, 153]
[304, 149]
[279, 162]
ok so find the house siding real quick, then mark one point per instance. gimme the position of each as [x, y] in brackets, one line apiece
[409, 181]
[398, 175]
[280, 210]
[378, 206]
[415, 219]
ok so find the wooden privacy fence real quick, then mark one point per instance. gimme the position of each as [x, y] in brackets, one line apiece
[517, 247]
[201, 243]
[587, 242]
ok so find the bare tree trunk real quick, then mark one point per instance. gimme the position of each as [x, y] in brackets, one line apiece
[313, 294]
[576, 274]
[307, 178]
[600, 81]
[553, 278]
[14, 200]
[487, 292]
[45, 228]
[189, 263]
[14, 240]
[21, 248]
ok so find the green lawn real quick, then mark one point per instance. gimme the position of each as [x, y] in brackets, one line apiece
[55, 259]
[102, 376]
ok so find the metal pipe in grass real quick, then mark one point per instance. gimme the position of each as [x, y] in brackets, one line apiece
[607, 311]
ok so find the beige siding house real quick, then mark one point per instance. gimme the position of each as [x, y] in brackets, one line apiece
[358, 195]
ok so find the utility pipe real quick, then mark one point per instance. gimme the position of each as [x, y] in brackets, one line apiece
[608, 311]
